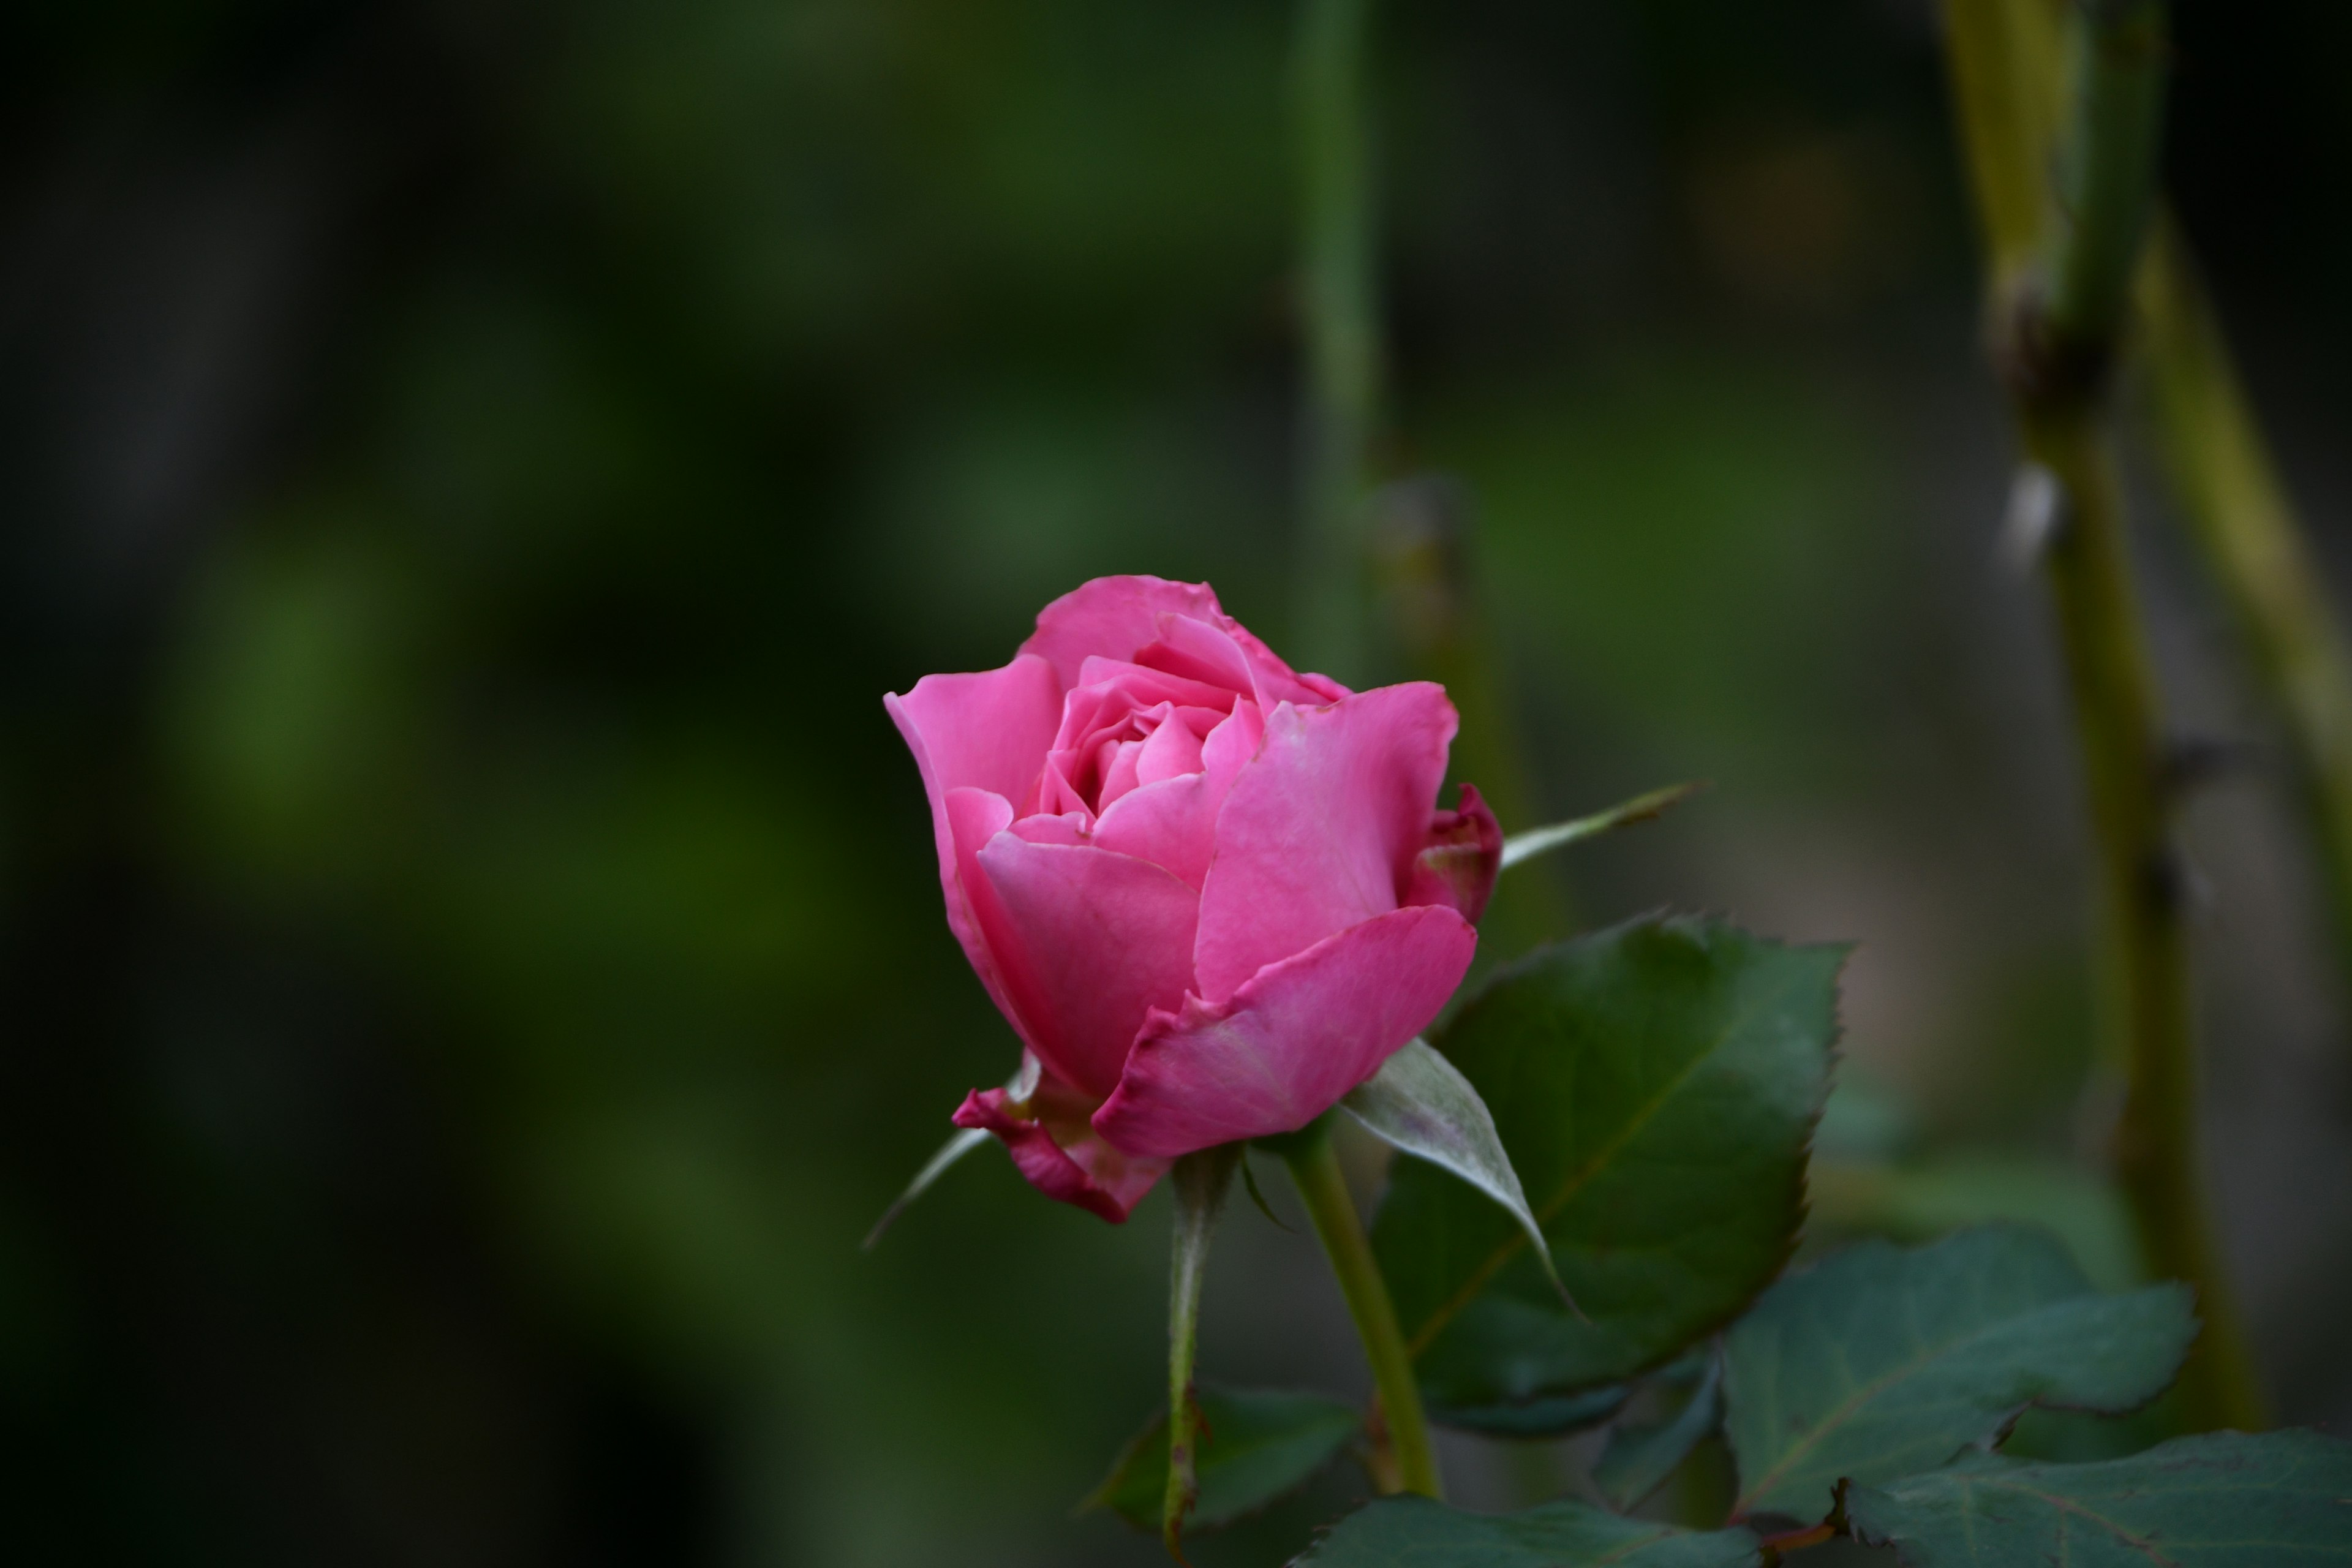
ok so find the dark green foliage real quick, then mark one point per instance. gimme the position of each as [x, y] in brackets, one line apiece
[1884, 1361]
[1553, 1415]
[1255, 1444]
[2220, 1501]
[1420, 1104]
[1653, 1086]
[1641, 1457]
[1413, 1532]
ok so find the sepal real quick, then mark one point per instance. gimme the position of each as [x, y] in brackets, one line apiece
[1420, 1103]
[1535, 841]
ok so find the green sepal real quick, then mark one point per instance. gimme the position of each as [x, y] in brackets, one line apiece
[1523, 847]
[1020, 1086]
[1420, 1104]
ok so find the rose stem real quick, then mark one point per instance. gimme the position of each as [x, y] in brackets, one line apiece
[1200, 1183]
[2239, 514]
[1332, 123]
[1314, 1166]
[2057, 351]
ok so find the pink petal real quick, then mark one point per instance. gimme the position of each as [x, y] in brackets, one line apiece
[1290, 1041]
[990, 730]
[1173, 822]
[1096, 942]
[1169, 751]
[1203, 651]
[1116, 765]
[975, 914]
[1112, 618]
[1069, 827]
[1320, 831]
[1458, 865]
[977, 732]
[1055, 796]
[1058, 1153]
[1283, 683]
[1223, 652]
[1129, 685]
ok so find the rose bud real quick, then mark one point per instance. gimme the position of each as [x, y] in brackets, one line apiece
[1210, 894]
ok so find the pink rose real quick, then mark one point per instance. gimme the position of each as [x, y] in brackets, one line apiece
[1211, 895]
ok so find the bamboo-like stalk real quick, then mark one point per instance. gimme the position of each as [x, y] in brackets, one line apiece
[2056, 344]
[2239, 518]
[2228, 490]
[1337, 246]
[1436, 617]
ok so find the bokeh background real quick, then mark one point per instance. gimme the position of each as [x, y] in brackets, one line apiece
[474, 967]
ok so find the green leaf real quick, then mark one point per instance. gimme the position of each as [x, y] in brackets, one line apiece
[1881, 1361]
[1653, 1086]
[1535, 841]
[2219, 1500]
[1254, 1445]
[1413, 1532]
[1639, 1459]
[1553, 1415]
[1420, 1102]
[1198, 1184]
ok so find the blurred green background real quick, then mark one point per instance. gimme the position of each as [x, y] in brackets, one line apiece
[473, 953]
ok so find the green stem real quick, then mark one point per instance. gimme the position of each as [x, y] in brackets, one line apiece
[2239, 516]
[1314, 1166]
[2001, 54]
[1200, 1182]
[2149, 1011]
[1422, 549]
[2244, 525]
[2057, 363]
[1342, 331]
[2111, 181]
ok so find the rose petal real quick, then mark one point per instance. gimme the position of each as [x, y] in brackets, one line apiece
[1115, 765]
[1203, 651]
[976, 732]
[1169, 752]
[1173, 822]
[1068, 827]
[1458, 865]
[1055, 796]
[1097, 940]
[1223, 652]
[1291, 1041]
[1131, 685]
[1112, 618]
[1283, 683]
[975, 914]
[1321, 830]
[1058, 1153]
[990, 730]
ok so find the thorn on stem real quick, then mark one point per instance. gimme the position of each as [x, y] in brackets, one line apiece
[2191, 762]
